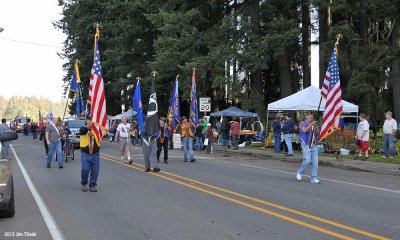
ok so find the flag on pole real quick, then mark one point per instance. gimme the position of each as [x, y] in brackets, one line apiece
[75, 79]
[137, 104]
[97, 97]
[194, 111]
[333, 95]
[152, 124]
[50, 115]
[76, 87]
[174, 107]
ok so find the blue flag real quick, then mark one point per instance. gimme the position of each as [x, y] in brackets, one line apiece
[194, 110]
[174, 108]
[79, 105]
[137, 105]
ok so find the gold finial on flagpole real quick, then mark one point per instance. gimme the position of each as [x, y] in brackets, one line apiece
[138, 78]
[77, 61]
[339, 36]
[177, 77]
[154, 74]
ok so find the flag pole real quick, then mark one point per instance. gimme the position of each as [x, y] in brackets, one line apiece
[311, 139]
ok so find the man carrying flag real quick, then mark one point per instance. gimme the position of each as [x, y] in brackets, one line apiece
[95, 128]
[333, 108]
[151, 131]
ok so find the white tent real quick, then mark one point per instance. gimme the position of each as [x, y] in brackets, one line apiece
[307, 99]
[128, 114]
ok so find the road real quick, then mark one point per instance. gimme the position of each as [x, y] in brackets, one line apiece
[220, 196]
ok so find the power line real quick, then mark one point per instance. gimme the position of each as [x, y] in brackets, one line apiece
[30, 43]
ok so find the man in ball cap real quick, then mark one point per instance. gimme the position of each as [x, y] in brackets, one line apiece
[389, 134]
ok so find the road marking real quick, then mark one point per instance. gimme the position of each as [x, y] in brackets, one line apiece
[51, 223]
[291, 173]
[110, 158]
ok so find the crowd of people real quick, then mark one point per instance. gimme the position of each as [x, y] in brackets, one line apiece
[199, 138]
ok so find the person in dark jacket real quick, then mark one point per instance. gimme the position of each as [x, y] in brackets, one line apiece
[34, 129]
[199, 135]
[288, 131]
[225, 132]
[42, 136]
[276, 126]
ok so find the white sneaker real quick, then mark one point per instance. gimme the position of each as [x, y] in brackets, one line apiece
[315, 181]
[298, 176]
[390, 157]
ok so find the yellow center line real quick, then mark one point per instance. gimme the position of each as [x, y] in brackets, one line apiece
[259, 201]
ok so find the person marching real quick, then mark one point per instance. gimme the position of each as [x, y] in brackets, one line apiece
[187, 139]
[149, 148]
[42, 136]
[309, 147]
[162, 141]
[53, 139]
[90, 157]
[123, 131]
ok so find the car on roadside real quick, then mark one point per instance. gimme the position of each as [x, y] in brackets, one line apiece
[7, 206]
[74, 125]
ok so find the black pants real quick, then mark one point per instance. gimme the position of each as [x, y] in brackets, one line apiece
[161, 145]
[46, 147]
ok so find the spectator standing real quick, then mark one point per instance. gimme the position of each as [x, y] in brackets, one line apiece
[277, 129]
[210, 137]
[162, 141]
[288, 130]
[389, 135]
[235, 129]
[5, 145]
[199, 136]
[363, 136]
[123, 131]
[225, 132]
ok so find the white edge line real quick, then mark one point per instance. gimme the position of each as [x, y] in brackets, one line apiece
[51, 223]
[279, 171]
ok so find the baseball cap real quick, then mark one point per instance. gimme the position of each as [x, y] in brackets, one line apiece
[208, 124]
[389, 112]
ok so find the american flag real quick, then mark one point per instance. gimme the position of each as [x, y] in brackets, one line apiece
[332, 92]
[97, 98]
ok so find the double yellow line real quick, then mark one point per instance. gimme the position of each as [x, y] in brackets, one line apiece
[175, 178]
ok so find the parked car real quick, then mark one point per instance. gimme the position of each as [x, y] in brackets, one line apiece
[74, 125]
[7, 207]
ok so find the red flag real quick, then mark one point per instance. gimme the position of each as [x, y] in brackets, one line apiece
[97, 97]
[333, 106]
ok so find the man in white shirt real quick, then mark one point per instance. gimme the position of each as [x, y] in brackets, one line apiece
[363, 136]
[389, 133]
[123, 131]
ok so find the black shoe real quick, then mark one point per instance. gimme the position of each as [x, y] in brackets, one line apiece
[93, 189]
[185, 160]
[229, 146]
[61, 166]
[165, 161]
[130, 162]
[48, 166]
[289, 155]
[147, 170]
[156, 169]
[193, 160]
[203, 148]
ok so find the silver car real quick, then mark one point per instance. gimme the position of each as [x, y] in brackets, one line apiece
[74, 125]
[7, 208]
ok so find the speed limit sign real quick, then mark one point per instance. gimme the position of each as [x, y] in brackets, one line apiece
[205, 104]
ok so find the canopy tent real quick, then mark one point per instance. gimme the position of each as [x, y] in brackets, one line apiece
[233, 112]
[307, 99]
[128, 114]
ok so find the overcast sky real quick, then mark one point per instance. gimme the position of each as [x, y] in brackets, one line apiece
[28, 69]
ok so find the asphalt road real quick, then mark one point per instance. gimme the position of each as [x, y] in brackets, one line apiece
[220, 196]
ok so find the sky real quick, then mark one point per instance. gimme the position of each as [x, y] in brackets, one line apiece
[29, 69]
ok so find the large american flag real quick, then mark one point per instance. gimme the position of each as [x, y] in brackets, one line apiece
[332, 92]
[97, 98]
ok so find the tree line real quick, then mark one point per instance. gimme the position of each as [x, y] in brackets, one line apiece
[18, 106]
[247, 53]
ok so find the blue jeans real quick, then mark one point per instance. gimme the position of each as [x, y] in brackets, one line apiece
[224, 141]
[309, 157]
[288, 141]
[277, 143]
[34, 136]
[55, 147]
[388, 141]
[235, 140]
[90, 165]
[199, 143]
[4, 151]
[186, 142]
